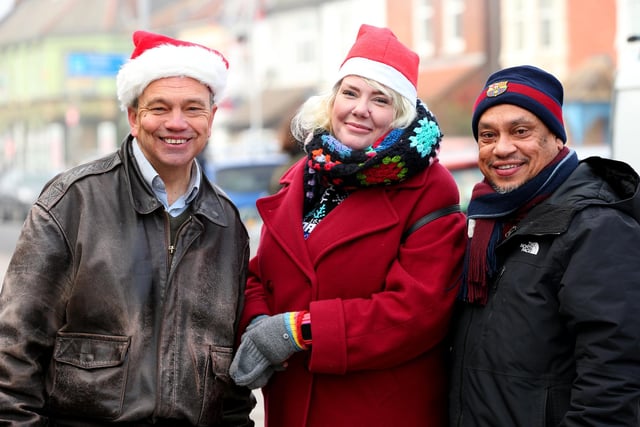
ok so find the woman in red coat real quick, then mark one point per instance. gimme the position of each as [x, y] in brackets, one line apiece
[346, 313]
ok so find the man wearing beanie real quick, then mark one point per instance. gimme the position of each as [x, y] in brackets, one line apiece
[121, 303]
[546, 332]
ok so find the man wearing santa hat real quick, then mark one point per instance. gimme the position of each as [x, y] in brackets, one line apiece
[121, 303]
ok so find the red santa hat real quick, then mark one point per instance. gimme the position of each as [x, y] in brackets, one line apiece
[377, 54]
[157, 56]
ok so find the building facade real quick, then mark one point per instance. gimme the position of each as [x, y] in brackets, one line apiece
[59, 60]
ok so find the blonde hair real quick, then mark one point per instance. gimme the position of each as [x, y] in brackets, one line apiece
[315, 114]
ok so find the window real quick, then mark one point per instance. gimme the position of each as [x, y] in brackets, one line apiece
[546, 23]
[634, 16]
[424, 27]
[518, 25]
[453, 26]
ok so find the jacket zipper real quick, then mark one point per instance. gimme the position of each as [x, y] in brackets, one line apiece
[462, 360]
[171, 248]
[467, 330]
[173, 240]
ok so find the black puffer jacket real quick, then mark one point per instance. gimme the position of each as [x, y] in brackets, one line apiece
[559, 341]
[101, 323]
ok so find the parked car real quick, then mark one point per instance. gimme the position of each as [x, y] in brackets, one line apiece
[245, 182]
[19, 189]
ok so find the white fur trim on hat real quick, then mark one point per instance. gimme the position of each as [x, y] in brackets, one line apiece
[169, 60]
[382, 73]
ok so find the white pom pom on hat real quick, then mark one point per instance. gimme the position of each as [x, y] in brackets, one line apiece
[377, 54]
[157, 56]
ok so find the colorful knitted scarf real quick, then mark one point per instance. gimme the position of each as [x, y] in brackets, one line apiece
[488, 212]
[401, 154]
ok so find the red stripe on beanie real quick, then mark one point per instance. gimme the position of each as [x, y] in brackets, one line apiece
[544, 99]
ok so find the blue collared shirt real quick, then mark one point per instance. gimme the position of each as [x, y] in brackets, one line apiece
[160, 190]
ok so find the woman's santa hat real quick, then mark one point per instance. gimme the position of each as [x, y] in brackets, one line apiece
[377, 54]
[157, 56]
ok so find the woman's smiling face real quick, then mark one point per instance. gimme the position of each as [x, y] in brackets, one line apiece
[360, 115]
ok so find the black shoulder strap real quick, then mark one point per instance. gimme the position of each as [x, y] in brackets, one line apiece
[430, 217]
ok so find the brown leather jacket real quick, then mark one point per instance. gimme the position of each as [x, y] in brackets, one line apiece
[102, 324]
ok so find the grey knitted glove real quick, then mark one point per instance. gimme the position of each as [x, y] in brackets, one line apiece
[257, 378]
[264, 346]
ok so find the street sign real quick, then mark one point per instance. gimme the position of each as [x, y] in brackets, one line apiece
[80, 64]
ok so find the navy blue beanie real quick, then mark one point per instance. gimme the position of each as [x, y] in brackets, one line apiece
[527, 87]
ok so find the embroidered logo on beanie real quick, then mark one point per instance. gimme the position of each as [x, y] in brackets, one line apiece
[496, 89]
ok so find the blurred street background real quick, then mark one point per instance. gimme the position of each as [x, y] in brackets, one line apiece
[59, 59]
[8, 235]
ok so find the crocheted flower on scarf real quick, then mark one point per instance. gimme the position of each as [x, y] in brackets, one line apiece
[427, 135]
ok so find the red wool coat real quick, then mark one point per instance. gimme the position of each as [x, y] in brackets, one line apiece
[379, 309]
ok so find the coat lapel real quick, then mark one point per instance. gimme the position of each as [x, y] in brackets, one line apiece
[282, 215]
[365, 211]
